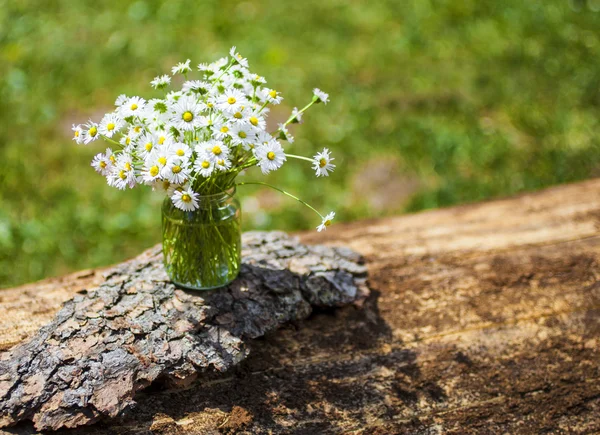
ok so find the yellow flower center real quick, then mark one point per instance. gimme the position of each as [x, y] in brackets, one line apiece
[176, 169]
[188, 116]
[209, 105]
[110, 126]
[137, 128]
[271, 155]
[242, 134]
[148, 146]
[162, 160]
[76, 133]
[254, 121]
[186, 198]
[166, 184]
[322, 163]
[273, 93]
[127, 166]
[93, 131]
[221, 162]
[217, 150]
[161, 140]
[134, 106]
[237, 115]
[231, 100]
[205, 164]
[154, 171]
[128, 141]
[112, 159]
[327, 223]
[102, 164]
[122, 175]
[224, 129]
[180, 152]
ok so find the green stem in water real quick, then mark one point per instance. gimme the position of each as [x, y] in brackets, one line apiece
[260, 183]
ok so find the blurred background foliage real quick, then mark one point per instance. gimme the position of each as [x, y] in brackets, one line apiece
[434, 102]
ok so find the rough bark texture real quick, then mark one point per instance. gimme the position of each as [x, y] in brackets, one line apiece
[482, 319]
[136, 328]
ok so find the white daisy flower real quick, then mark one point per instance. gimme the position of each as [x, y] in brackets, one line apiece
[322, 163]
[219, 64]
[231, 101]
[185, 199]
[173, 96]
[186, 114]
[270, 156]
[181, 68]
[89, 132]
[181, 151]
[297, 116]
[127, 140]
[215, 150]
[257, 80]
[175, 171]
[197, 86]
[258, 122]
[132, 107]
[284, 134]
[136, 130]
[239, 116]
[161, 82]
[102, 162]
[145, 145]
[238, 57]
[110, 124]
[151, 172]
[157, 107]
[77, 134]
[123, 173]
[223, 164]
[262, 137]
[163, 154]
[326, 222]
[204, 68]
[242, 134]
[270, 95]
[320, 97]
[163, 138]
[221, 130]
[204, 166]
[162, 185]
[120, 100]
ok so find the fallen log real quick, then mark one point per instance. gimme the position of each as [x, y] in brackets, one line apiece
[137, 328]
[482, 318]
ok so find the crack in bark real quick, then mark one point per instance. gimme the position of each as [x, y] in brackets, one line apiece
[111, 341]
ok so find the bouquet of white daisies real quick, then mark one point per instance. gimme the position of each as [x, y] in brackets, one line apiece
[196, 140]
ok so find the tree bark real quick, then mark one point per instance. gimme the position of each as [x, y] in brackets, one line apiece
[137, 328]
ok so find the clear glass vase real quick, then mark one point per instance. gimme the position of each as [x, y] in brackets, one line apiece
[202, 248]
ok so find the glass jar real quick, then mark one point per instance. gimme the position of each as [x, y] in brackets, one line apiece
[202, 248]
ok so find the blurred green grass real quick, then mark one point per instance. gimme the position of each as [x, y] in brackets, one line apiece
[433, 103]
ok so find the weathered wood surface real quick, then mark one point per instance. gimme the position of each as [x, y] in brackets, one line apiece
[482, 319]
[137, 328]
